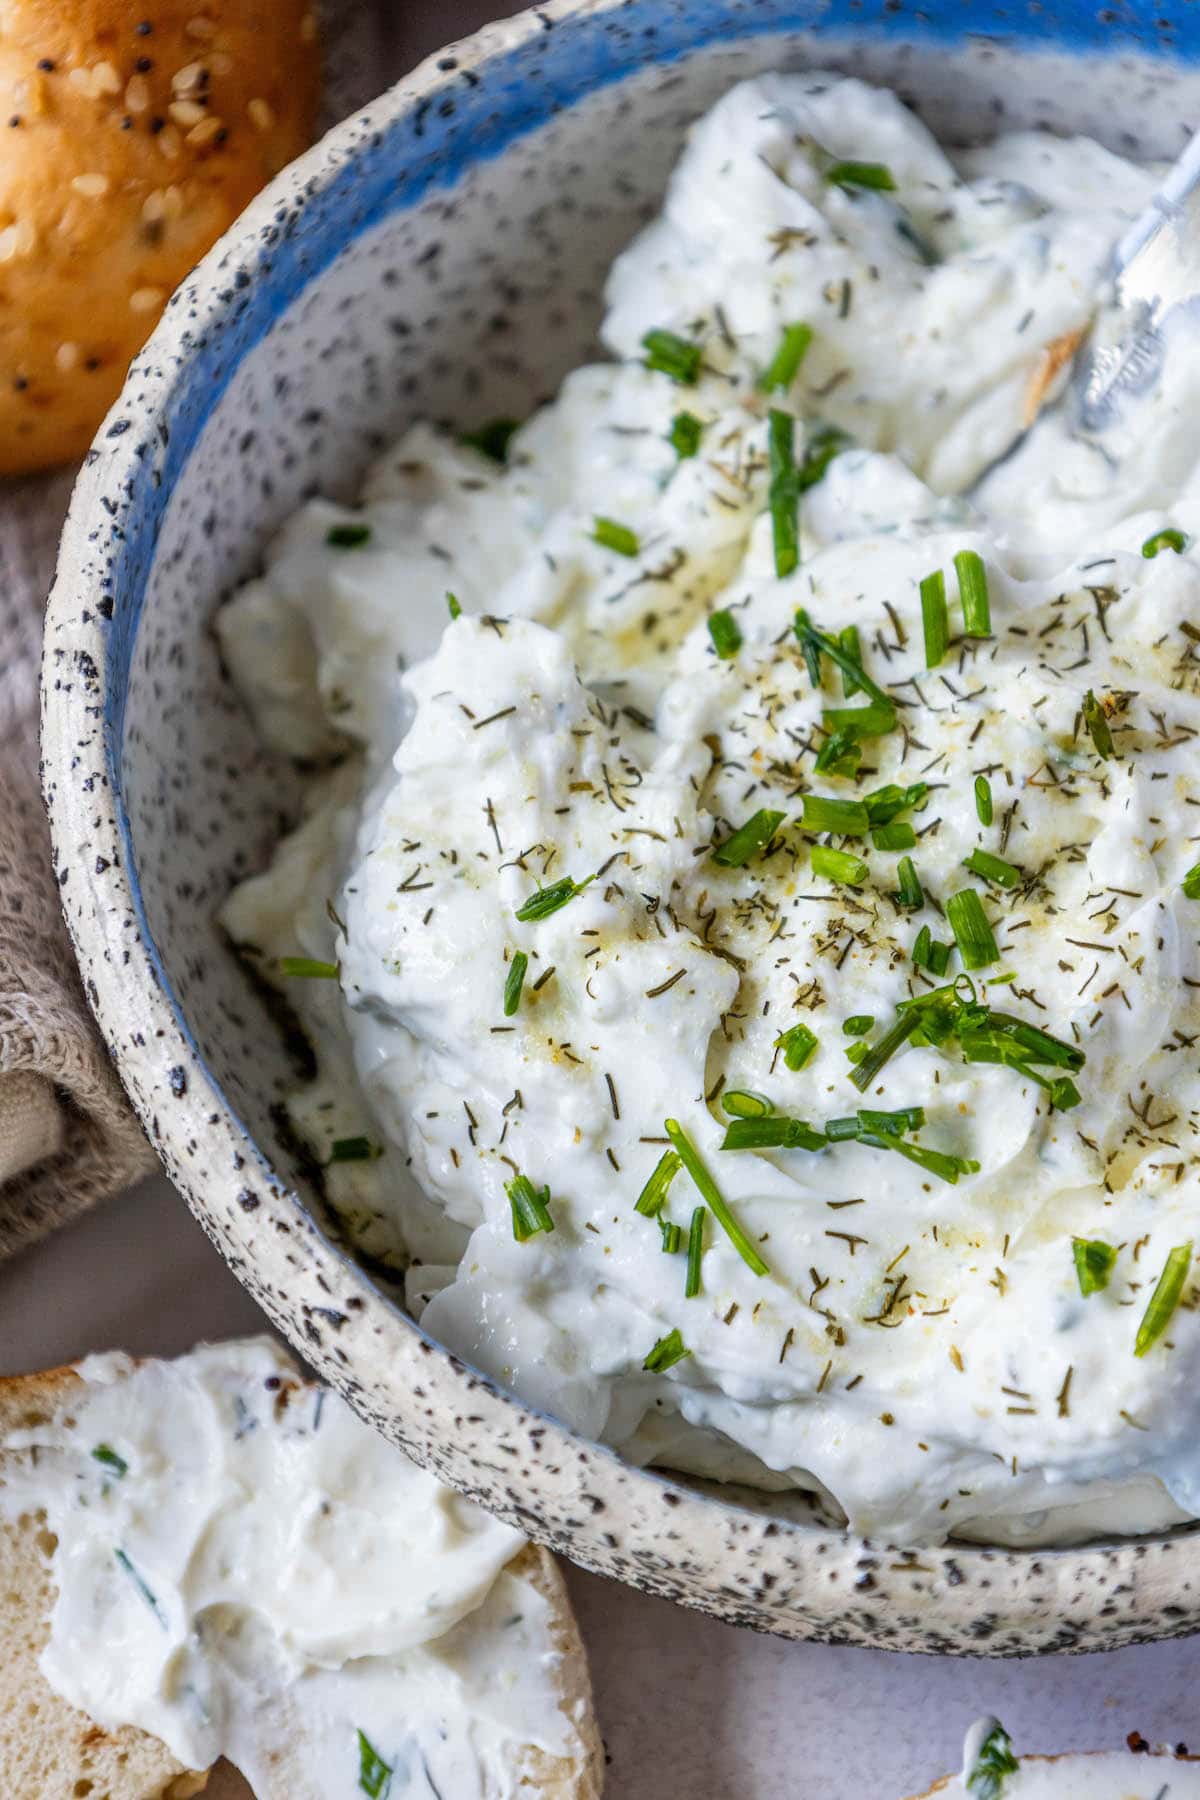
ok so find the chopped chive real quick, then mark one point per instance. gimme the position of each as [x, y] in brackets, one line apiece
[856, 1052]
[748, 839]
[897, 836]
[670, 354]
[1064, 1094]
[783, 496]
[666, 1353]
[892, 1124]
[453, 606]
[544, 901]
[858, 1025]
[797, 1044]
[857, 722]
[685, 434]
[723, 630]
[108, 1458]
[782, 369]
[876, 176]
[942, 1163]
[973, 593]
[653, 1196]
[1096, 720]
[912, 895]
[775, 1133]
[672, 1236]
[514, 982]
[141, 1585]
[824, 813]
[710, 1192]
[1169, 539]
[843, 1131]
[887, 803]
[1164, 1299]
[848, 641]
[994, 1760]
[992, 868]
[374, 1775]
[492, 439]
[839, 865]
[816, 644]
[882, 1052]
[308, 968]
[694, 1253]
[1035, 1044]
[935, 619]
[530, 1208]
[840, 754]
[1094, 1261]
[1191, 883]
[983, 799]
[353, 1149]
[348, 537]
[611, 535]
[929, 953]
[972, 933]
[743, 1103]
[820, 448]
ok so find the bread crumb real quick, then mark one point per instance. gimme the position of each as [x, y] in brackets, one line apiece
[91, 186]
[260, 114]
[146, 299]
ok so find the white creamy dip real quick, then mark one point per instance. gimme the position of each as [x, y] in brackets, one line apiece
[918, 1353]
[246, 1569]
[992, 1771]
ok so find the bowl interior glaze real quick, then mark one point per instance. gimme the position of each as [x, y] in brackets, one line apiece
[444, 255]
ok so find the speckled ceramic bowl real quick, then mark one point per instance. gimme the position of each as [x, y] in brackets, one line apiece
[444, 253]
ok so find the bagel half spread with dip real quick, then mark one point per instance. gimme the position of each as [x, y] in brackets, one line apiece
[992, 1771]
[132, 133]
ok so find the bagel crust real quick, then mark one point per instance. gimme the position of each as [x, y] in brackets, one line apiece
[133, 133]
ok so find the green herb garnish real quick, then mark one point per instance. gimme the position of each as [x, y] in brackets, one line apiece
[743, 1103]
[935, 619]
[972, 933]
[308, 968]
[653, 1196]
[911, 895]
[882, 1052]
[142, 1586]
[992, 868]
[897, 836]
[783, 496]
[858, 1025]
[816, 644]
[672, 1236]
[1191, 883]
[1164, 1299]
[108, 1458]
[453, 606]
[994, 1761]
[774, 1133]
[973, 594]
[353, 1149]
[876, 176]
[782, 369]
[530, 1208]
[822, 812]
[1094, 1261]
[348, 537]
[708, 1190]
[514, 981]
[685, 434]
[374, 1775]
[492, 439]
[724, 632]
[695, 1253]
[983, 800]
[611, 535]
[544, 901]
[887, 803]
[672, 355]
[666, 1353]
[849, 642]
[820, 448]
[1168, 539]
[1096, 720]
[929, 953]
[748, 839]
[797, 1044]
[839, 865]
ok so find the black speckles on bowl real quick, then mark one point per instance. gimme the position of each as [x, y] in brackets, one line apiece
[443, 253]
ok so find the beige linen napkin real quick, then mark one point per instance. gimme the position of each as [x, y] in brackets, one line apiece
[67, 1136]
